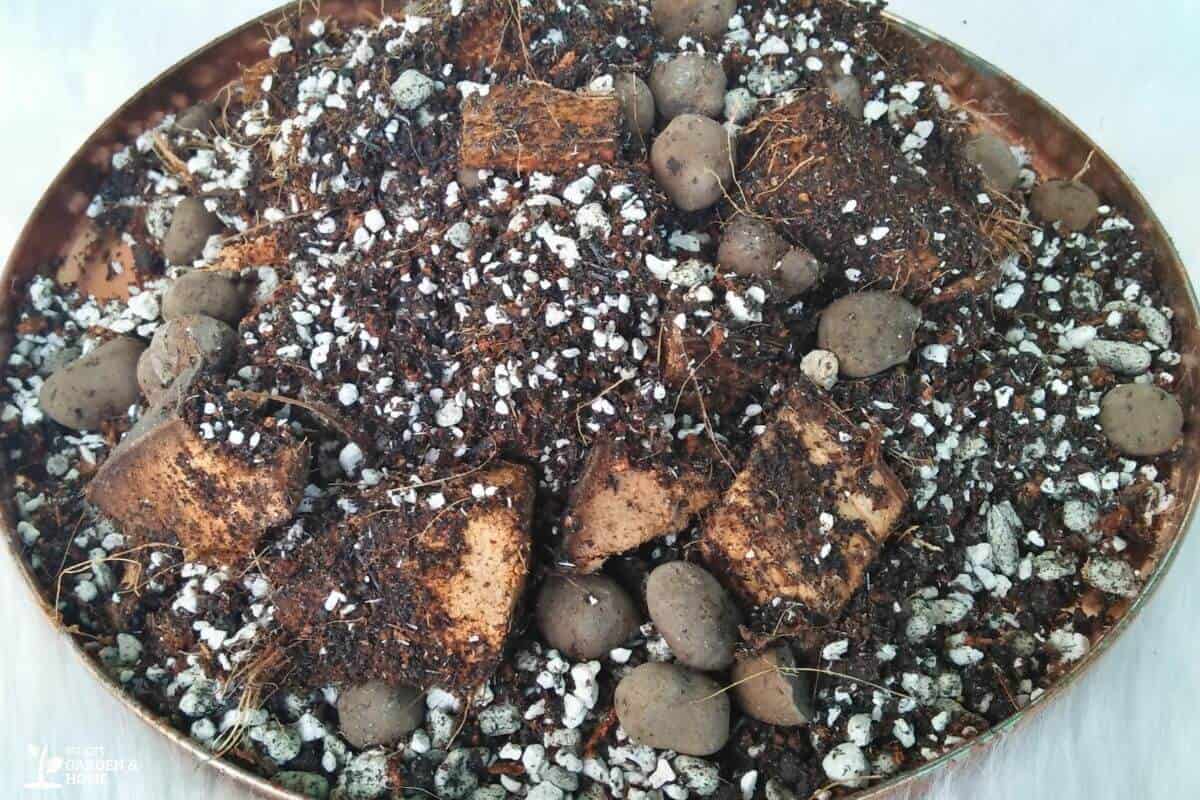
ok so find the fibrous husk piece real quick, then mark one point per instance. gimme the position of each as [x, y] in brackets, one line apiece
[806, 516]
[532, 126]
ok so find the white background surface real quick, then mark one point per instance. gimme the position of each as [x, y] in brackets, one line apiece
[1122, 72]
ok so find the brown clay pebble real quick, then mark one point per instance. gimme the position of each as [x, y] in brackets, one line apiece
[374, 713]
[847, 92]
[696, 18]
[798, 271]
[995, 160]
[191, 226]
[183, 345]
[694, 614]
[637, 103]
[691, 161]
[769, 695]
[1141, 420]
[1072, 203]
[688, 84]
[101, 385]
[470, 178]
[672, 708]
[585, 616]
[213, 294]
[199, 118]
[750, 247]
[868, 332]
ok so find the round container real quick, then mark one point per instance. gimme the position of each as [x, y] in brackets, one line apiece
[1055, 145]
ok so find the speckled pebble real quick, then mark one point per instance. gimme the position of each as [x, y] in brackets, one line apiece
[698, 775]
[1079, 516]
[1124, 358]
[280, 743]
[1085, 294]
[846, 764]
[1053, 566]
[412, 90]
[365, 777]
[1003, 530]
[454, 778]
[1110, 575]
[308, 784]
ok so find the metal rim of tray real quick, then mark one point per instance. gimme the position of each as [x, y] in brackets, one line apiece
[1018, 112]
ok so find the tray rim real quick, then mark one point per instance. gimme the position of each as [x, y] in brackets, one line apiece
[919, 776]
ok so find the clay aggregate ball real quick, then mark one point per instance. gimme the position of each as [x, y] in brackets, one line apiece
[798, 271]
[995, 160]
[637, 103]
[688, 84]
[1071, 203]
[100, 386]
[1141, 420]
[213, 294]
[184, 344]
[694, 613]
[868, 332]
[695, 18]
[585, 616]
[691, 161]
[374, 713]
[199, 118]
[847, 92]
[750, 247]
[768, 694]
[669, 707]
[191, 226]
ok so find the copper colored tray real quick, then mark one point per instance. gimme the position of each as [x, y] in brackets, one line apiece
[1057, 148]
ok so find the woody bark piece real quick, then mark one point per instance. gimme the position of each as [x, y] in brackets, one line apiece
[489, 38]
[619, 504]
[719, 365]
[805, 517]
[840, 187]
[421, 597]
[532, 126]
[164, 478]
